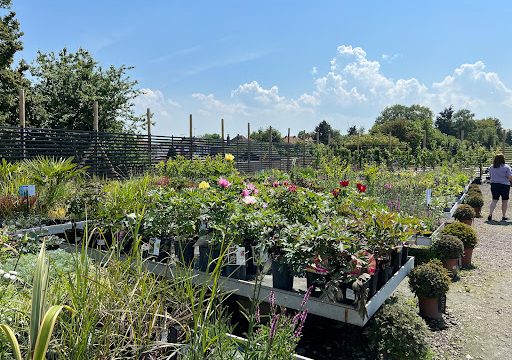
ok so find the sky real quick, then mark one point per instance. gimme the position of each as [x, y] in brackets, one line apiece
[288, 63]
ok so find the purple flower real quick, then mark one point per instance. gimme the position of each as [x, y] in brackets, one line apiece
[273, 326]
[306, 297]
[301, 320]
[258, 318]
[388, 186]
[276, 184]
[224, 183]
[272, 299]
[251, 187]
[246, 192]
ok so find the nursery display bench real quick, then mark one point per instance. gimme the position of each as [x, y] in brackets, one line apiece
[288, 299]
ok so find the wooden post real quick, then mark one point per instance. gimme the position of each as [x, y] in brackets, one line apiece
[222, 135]
[148, 119]
[504, 141]
[190, 129]
[248, 147]
[317, 137]
[22, 122]
[462, 135]
[329, 139]
[304, 151]
[288, 152]
[389, 142]
[95, 121]
[270, 148]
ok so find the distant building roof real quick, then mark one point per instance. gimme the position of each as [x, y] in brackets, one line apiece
[295, 140]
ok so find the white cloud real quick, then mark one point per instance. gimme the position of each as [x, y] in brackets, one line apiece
[210, 105]
[390, 58]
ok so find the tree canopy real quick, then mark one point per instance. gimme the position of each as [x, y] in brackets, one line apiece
[263, 135]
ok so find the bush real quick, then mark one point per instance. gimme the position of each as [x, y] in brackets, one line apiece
[422, 254]
[397, 332]
[448, 247]
[464, 212]
[474, 188]
[464, 232]
[474, 200]
[429, 280]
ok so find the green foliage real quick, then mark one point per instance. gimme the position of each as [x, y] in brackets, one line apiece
[263, 135]
[429, 280]
[474, 200]
[462, 231]
[464, 212]
[398, 333]
[422, 254]
[68, 84]
[448, 247]
[210, 168]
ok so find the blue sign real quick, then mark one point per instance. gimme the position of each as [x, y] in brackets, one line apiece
[27, 190]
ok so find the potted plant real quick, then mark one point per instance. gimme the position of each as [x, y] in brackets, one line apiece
[429, 282]
[468, 237]
[464, 213]
[449, 249]
[476, 201]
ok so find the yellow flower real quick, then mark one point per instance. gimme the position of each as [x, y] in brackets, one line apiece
[229, 157]
[203, 185]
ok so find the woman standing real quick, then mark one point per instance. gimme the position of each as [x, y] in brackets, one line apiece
[501, 177]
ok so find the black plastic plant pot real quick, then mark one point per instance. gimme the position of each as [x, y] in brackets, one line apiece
[208, 256]
[235, 271]
[184, 251]
[405, 254]
[384, 270]
[374, 279]
[349, 295]
[396, 260]
[317, 281]
[282, 276]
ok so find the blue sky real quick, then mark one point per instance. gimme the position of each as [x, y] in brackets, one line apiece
[288, 63]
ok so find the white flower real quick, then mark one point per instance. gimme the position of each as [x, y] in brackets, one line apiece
[249, 200]
[2, 272]
[7, 276]
[12, 272]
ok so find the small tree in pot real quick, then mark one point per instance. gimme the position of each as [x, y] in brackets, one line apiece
[449, 249]
[464, 213]
[476, 201]
[429, 282]
[468, 237]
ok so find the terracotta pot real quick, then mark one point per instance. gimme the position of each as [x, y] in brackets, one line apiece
[429, 307]
[466, 259]
[478, 211]
[452, 265]
[468, 222]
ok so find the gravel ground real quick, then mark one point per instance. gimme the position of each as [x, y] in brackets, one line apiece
[478, 320]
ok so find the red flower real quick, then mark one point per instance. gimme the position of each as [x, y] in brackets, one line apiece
[361, 187]
[292, 188]
[335, 192]
[344, 183]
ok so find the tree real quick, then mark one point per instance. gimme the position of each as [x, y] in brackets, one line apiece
[464, 120]
[11, 80]
[263, 135]
[444, 121]
[323, 130]
[213, 136]
[67, 84]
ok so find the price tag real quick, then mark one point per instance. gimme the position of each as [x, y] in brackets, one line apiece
[429, 196]
[350, 294]
[27, 190]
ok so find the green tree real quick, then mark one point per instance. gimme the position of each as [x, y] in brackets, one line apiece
[11, 79]
[213, 136]
[323, 129]
[67, 84]
[464, 120]
[444, 121]
[263, 135]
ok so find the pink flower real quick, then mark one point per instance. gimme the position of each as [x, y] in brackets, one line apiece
[292, 188]
[251, 187]
[246, 192]
[276, 184]
[248, 200]
[285, 183]
[224, 183]
[255, 191]
[388, 186]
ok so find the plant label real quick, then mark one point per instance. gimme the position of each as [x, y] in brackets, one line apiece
[429, 196]
[350, 294]
[240, 255]
[27, 190]
[100, 242]
[145, 247]
[196, 251]
[156, 247]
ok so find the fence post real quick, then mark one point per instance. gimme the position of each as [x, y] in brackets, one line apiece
[270, 148]
[190, 135]
[237, 149]
[22, 121]
[304, 151]
[329, 139]
[462, 135]
[148, 119]
[317, 137]
[504, 141]
[288, 152]
[95, 127]
[222, 136]
[248, 147]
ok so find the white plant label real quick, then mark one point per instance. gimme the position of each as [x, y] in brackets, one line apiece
[240, 255]
[145, 247]
[196, 251]
[429, 196]
[156, 247]
[101, 242]
[350, 294]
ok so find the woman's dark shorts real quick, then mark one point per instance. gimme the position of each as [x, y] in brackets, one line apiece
[498, 190]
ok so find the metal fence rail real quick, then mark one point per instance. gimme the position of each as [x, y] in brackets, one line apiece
[122, 154]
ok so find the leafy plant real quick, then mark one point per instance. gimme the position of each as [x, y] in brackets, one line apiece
[448, 247]
[474, 200]
[462, 231]
[464, 212]
[398, 333]
[41, 323]
[429, 280]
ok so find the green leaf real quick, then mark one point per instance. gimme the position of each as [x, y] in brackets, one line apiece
[12, 339]
[45, 333]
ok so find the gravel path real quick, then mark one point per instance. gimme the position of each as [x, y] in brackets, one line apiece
[479, 319]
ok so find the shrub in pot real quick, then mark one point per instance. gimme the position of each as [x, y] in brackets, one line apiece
[397, 332]
[468, 237]
[475, 188]
[449, 249]
[429, 282]
[476, 201]
[464, 213]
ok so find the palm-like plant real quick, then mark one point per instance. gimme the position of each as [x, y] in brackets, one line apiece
[41, 323]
